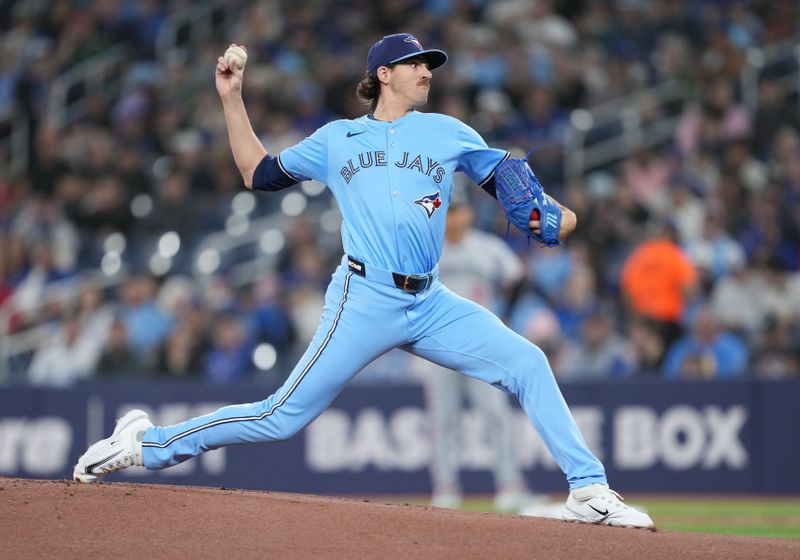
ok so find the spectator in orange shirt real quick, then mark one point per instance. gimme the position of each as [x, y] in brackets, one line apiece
[657, 280]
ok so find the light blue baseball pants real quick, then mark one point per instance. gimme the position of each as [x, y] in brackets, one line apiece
[363, 318]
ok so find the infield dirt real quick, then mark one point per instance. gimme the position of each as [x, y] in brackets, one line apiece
[66, 520]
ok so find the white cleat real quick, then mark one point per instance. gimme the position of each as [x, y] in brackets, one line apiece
[600, 505]
[119, 451]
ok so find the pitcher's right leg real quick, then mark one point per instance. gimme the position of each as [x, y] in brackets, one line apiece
[338, 351]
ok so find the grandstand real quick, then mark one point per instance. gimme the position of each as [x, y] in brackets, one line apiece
[129, 248]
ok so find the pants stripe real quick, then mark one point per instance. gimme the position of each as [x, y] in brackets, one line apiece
[288, 394]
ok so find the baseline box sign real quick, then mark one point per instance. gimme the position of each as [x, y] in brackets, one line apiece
[652, 436]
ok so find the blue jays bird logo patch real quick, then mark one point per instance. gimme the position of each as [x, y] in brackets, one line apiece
[430, 202]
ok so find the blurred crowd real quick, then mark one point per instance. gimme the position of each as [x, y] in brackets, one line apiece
[684, 263]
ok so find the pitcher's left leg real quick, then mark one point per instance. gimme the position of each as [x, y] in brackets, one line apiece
[461, 335]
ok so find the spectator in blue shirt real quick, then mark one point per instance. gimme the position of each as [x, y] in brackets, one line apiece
[706, 352]
[148, 326]
[230, 358]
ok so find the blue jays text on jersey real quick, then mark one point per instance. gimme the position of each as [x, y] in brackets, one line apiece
[432, 168]
[393, 184]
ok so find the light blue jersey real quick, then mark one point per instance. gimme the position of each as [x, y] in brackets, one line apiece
[393, 182]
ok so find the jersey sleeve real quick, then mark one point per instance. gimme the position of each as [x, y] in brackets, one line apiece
[476, 159]
[269, 176]
[308, 159]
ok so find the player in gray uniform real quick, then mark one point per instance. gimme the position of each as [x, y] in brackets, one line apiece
[481, 267]
[391, 172]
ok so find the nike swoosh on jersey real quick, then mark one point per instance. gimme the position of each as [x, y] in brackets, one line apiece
[351, 133]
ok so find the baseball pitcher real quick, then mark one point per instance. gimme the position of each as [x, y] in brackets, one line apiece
[391, 172]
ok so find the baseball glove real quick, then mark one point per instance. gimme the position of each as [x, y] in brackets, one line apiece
[522, 198]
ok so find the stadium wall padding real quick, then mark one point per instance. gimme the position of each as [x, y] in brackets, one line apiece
[653, 436]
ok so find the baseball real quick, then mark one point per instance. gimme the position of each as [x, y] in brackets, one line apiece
[236, 56]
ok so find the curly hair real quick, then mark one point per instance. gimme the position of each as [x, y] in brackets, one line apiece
[369, 89]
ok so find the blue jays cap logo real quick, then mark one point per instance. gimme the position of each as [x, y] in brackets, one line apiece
[399, 47]
[412, 39]
[430, 203]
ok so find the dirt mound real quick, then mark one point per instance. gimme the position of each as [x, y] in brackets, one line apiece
[60, 519]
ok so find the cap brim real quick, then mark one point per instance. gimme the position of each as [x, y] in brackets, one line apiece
[434, 57]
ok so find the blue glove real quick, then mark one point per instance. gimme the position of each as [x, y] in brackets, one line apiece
[521, 196]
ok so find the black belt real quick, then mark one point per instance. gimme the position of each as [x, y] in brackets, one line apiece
[410, 283]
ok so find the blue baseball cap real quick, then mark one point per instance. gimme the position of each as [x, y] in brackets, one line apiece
[401, 46]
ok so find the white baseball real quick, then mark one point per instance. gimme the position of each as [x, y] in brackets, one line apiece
[235, 56]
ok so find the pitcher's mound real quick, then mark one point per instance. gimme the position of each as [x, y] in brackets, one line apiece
[59, 519]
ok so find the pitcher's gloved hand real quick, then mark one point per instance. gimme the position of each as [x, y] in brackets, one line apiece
[523, 200]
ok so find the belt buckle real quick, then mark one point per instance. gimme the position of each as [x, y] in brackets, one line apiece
[406, 288]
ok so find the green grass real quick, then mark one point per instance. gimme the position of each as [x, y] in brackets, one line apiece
[751, 517]
[756, 517]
